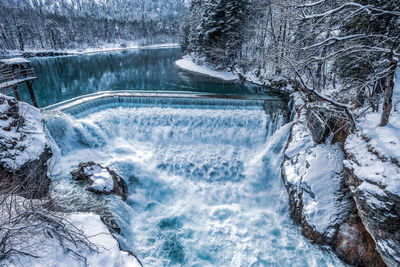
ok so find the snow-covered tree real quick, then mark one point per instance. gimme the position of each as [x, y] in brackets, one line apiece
[59, 24]
[215, 29]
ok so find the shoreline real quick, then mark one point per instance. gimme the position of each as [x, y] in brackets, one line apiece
[186, 64]
[77, 52]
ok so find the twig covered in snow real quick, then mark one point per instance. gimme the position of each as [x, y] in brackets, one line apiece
[367, 8]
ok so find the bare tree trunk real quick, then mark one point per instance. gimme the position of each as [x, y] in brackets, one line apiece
[387, 101]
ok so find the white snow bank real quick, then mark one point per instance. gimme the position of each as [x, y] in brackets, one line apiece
[384, 140]
[30, 137]
[187, 64]
[109, 252]
[51, 253]
[12, 61]
[368, 167]
[101, 178]
[300, 140]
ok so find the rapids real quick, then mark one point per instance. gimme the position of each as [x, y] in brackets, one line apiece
[203, 177]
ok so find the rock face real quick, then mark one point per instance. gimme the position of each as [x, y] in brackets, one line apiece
[23, 149]
[375, 186]
[320, 198]
[101, 180]
[324, 119]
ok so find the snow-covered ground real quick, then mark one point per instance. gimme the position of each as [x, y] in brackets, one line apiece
[384, 140]
[187, 63]
[373, 156]
[369, 168]
[51, 253]
[377, 149]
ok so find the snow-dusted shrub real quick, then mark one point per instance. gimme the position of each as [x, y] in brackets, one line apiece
[26, 225]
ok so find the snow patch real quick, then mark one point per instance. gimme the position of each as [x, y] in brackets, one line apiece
[12, 61]
[187, 64]
[101, 178]
[301, 140]
[384, 140]
[368, 167]
[109, 252]
[317, 171]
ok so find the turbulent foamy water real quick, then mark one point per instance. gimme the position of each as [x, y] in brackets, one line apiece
[204, 182]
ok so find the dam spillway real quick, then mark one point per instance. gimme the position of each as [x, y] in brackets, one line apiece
[203, 174]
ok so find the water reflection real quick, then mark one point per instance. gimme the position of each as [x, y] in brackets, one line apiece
[62, 78]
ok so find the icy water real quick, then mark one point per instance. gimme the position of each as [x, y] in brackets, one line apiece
[61, 78]
[203, 177]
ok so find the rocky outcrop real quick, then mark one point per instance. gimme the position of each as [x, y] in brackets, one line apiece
[375, 187]
[23, 149]
[320, 198]
[354, 245]
[325, 120]
[100, 180]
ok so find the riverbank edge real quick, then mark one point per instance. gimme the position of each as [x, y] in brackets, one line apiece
[346, 234]
[76, 52]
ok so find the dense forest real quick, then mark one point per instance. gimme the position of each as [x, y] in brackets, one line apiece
[350, 48]
[65, 24]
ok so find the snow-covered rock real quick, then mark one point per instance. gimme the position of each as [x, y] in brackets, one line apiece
[375, 182]
[313, 176]
[23, 147]
[101, 180]
[319, 198]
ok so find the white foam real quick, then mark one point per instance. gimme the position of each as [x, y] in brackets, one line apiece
[204, 183]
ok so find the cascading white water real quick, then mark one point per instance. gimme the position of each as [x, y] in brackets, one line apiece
[204, 181]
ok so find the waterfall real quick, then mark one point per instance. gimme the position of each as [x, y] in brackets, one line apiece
[203, 177]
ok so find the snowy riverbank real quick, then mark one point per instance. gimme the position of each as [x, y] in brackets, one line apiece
[197, 66]
[187, 63]
[107, 48]
[347, 196]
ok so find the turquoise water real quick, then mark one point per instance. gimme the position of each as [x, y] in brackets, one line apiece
[203, 174]
[62, 78]
[203, 179]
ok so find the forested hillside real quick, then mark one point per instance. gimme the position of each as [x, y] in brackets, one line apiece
[66, 24]
[349, 48]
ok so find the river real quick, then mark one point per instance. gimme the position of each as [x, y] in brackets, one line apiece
[203, 174]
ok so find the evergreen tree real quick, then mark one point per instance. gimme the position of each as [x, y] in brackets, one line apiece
[215, 29]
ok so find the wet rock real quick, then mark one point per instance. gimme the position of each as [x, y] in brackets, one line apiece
[88, 203]
[354, 245]
[101, 180]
